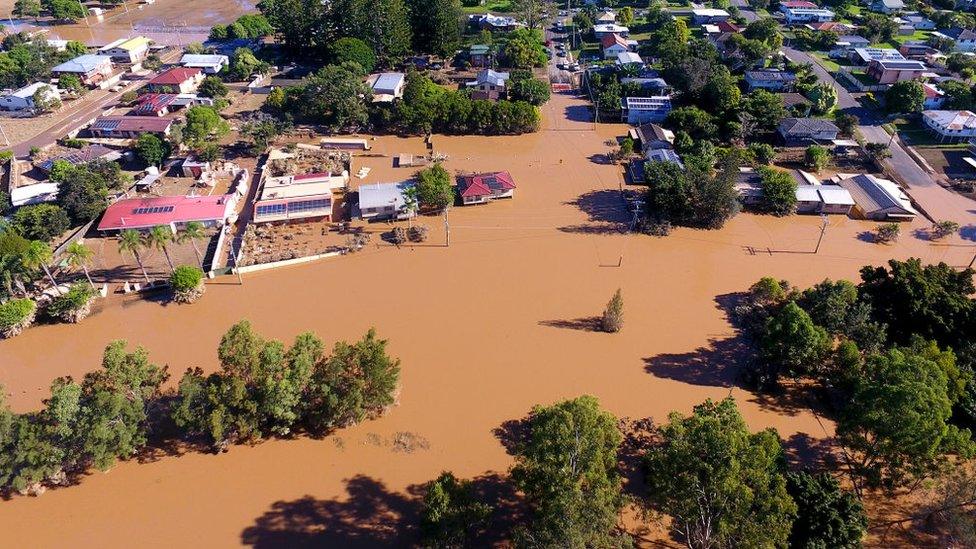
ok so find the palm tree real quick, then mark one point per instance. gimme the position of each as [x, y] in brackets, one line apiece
[192, 232]
[410, 203]
[37, 256]
[130, 241]
[157, 238]
[79, 255]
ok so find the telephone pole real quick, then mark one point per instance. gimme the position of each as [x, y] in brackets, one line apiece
[823, 229]
[447, 228]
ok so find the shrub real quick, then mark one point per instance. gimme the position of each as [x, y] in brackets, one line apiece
[764, 153]
[613, 315]
[74, 305]
[40, 221]
[943, 229]
[887, 232]
[187, 283]
[399, 235]
[15, 316]
[417, 233]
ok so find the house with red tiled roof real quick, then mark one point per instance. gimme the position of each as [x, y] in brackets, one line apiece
[154, 104]
[614, 44]
[123, 127]
[482, 187]
[176, 80]
[173, 211]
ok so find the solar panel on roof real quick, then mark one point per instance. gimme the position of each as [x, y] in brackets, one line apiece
[153, 210]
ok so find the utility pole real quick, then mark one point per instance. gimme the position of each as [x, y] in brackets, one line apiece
[447, 228]
[823, 229]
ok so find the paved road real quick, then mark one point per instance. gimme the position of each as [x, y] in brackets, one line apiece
[745, 10]
[938, 202]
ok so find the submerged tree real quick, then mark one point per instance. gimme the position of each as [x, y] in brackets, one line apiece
[451, 514]
[613, 315]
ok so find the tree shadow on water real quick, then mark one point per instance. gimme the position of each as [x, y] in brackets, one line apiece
[585, 324]
[371, 516]
[714, 365]
[605, 205]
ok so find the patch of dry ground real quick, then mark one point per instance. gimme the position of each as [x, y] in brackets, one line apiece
[485, 330]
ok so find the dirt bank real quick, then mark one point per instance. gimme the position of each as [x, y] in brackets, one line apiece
[486, 329]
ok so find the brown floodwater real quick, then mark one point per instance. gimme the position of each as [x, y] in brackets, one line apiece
[170, 22]
[485, 328]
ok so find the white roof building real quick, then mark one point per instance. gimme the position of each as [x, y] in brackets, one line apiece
[23, 98]
[210, 64]
[384, 200]
[629, 58]
[952, 125]
[33, 194]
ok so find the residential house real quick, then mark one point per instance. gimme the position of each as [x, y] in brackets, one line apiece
[84, 155]
[842, 29]
[649, 80]
[770, 80]
[127, 127]
[387, 86]
[851, 41]
[877, 199]
[796, 104]
[614, 44]
[700, 16]
[482, 187]
[23, 99]
[795, 16]
[607, 16]
[291, 197]
[652, 136]
[889, 72]
[863, 56]
[37, 193]
[629, 59]
[173, 211]
[664, 155]
[919, 22]
[807, 130]
[127, 50]
[489, 84]
[384, 201]
[603, 29]
[887, 6]
[176, 80]
[479, 55]
[807, 199]
[494, 23]
[641, 110]
[209, 64]
[934, 97]
[835, 199]
[154, 104]
[916, 50]
[89, 68]
[951, 125]
[964, 40]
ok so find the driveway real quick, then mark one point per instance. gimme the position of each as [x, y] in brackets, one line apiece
[937, 202]
[745, 10]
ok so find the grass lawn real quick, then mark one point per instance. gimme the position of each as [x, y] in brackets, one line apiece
[826, 62]
[864, 78]
[490, 5]
[913, 132]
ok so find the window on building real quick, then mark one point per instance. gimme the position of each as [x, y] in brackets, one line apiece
[271, 209]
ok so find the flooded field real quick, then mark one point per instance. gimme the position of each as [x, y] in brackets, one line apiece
[485, 328]
[171, 22]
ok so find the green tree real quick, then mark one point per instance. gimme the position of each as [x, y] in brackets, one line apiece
[846, 123]
[778, 191]
[906, 96]
[791, 344]
[766, 109]
[27, 8]
[38, 255]
[15, 316]
[64, 10]
[956, 95]
[72, 84]
[525, 49]
[763, 153]
[40, 221]
[158, 237]
[721, 485]
[451, 514]
[192, 232]
[823, 96]
[187, 283]
[827, 515]
[567, 469]
[82, 192]
[436, 25]
[243, 64]
[352, 49]
[151, 149]
[212, 86]
[336, 95]
[532, 90]
[434, 188]
[613, 315]
[203, 125]
[45, 99]
[625, 16]
[533, 12]
[816, 157]
[130, 241]
[877, 28]
[78, 255]
[387, 30]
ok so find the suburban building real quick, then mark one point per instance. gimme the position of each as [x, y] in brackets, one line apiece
[807, 130]
[795, 16]
[614, 43]
[384, 201]
[919, 22]
[842, 29]
[489, 84]
[603, 29]
[796, 103]
[876, 198]
[835, 199]
[292, 197]
[770, 80]
[652, 136]
[807, 199]
[964, 40]
[23, 99]
[176, 80]
[708, 15]
[849, 42]
[154, 104]
[482, 187]
[25, 195]
[127, 127]
[887, 6]
[607, 16]
[863, 56]
[889, 72]
[494, 22]
[172, 211]
[84, 155]
[951, 125]
[934, 97]
[916, 50]
[629, 58]
[664, 155]
[127, 50]
[209, 64]
[641, 110]
[89, 68]
[387, 86]
[479, 55]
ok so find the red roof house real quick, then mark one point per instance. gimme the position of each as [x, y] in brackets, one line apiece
[176, 80]
[727, 26]
[175, 211]
[794, 4]
[154, 104]
[482, 187]
[126, 127]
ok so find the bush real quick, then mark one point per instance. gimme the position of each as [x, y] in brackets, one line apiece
[763, 153]
[15, 316]
[40, 221]
[187, 283]
[613, 315]
[816, 157]
[887, 232]
[74, 305]
[417, 234]
[943, 229]
[212, 87]
[399, 235]
[779, 191]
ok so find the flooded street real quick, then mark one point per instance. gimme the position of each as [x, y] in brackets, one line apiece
[169, 22]
[485, 329]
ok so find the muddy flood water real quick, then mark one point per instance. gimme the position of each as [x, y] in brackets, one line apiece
[486, 328]
[169, 22]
